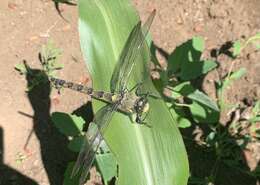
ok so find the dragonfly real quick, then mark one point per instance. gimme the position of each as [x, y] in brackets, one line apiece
[119, 99]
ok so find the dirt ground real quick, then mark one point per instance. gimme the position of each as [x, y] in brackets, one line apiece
[25, 25]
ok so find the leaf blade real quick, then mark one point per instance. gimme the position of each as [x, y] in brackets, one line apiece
[157, 155]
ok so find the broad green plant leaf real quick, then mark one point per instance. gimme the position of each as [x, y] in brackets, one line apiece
[68, 180]
[198, 43]
[188, 56]
[203, 99]
[75, 144]
[182, 121]
[107, 166]
[69, 125]
[202, 113]
[186, 89]
[182, 89]
[145, 155]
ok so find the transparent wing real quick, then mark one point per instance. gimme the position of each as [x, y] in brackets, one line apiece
[90, 158]
[128, 56]
[88, 150]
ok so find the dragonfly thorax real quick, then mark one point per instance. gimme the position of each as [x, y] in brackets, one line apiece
[130, 103]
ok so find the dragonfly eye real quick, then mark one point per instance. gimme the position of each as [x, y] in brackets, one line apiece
[146, 107]
[142, 105]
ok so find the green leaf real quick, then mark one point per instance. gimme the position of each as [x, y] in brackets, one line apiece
[255, 119]
[236, 48]
[183, 123]
[187, 57]
[198, 43]
[228, 80]
[177, 57]
[203, 114]
[208, 66]
[76, 143]
[68, 180]
[198, 68]
[107, 166]
[145, 155]
[57, 66]
[202, 98]
[178, 114]
[21, 68]
[184, 88]
[211, 138]
[238, 74]
[256, 108]
[70, 125]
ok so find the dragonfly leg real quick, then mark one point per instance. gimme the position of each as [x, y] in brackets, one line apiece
[137, 87]
[149, 94]
[143, 122]
[139, 92]
[154, 95]
[138, 120]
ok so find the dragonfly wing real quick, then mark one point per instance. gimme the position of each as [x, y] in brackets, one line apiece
[89, 159]
[129, 54]
[88, 150]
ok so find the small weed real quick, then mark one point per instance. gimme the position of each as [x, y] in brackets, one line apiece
[48, 58]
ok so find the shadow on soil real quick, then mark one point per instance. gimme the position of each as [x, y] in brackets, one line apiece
[53, 145]
[10, 176]
[57, 6]
[207, 165]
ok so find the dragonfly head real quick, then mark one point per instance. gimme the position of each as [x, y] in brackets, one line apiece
[141, 107]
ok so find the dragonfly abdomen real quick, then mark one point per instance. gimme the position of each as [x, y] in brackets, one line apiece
[100, 95]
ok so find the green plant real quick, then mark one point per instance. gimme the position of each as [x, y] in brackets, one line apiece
[178, 79]
[72, 127]
[239, 46]
[190, 106]
[48, 57]
[145, 155]
[156, 153]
